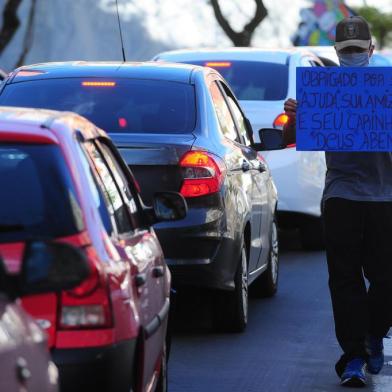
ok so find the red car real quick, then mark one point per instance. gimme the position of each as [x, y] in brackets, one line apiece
[63, 179]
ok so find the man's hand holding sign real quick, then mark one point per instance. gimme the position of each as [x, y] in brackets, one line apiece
[346, 111]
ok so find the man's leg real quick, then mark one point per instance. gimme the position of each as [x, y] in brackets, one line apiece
[378, 266]
[344, 229]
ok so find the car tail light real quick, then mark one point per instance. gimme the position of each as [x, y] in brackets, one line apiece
[88, 305]
[281, 120]
[203, 174]
[82, 316]
[88, 285]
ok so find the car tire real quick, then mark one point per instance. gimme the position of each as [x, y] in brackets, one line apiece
[231, 313]
[162, 385]
[312, 234]
[266, 285]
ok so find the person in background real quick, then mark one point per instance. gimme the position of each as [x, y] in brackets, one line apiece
[357, 214]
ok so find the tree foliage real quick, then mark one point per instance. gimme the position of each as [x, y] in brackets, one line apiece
[380, 22]
[244, 37]
[10, 23]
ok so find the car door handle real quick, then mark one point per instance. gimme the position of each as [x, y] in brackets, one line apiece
[245, 165]
[158, 272]
[262, 167]
[140, 279]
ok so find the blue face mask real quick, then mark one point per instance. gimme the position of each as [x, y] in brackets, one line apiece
[354, 59]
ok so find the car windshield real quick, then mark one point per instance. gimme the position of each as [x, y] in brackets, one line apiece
[253, 80]
[115, 105]
[37, 198]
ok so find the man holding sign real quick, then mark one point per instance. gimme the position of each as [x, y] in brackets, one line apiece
[347, 112]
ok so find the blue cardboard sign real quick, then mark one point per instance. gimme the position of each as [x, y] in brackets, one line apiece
[344, 109]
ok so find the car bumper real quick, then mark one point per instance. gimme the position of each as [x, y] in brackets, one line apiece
[215, 270]
[108, 368]
[203, 249]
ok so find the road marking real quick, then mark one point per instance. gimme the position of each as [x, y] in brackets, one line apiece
[382, 383]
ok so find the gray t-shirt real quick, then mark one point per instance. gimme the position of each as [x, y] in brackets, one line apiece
[361, 176]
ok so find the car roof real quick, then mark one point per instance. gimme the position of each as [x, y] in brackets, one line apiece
[38, 124]
[138, 70]
[249, 54]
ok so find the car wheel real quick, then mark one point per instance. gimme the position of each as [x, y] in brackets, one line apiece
[162, 384]
[231, 313]
[266, 285]
[312, 234]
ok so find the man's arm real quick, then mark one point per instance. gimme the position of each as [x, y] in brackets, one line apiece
[289, 130]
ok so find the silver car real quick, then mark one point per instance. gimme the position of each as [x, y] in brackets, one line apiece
[25, 363]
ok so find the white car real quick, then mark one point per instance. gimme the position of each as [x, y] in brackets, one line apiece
[262, 80]
[328, 56]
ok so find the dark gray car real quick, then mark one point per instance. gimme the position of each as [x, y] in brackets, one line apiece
[180, 128]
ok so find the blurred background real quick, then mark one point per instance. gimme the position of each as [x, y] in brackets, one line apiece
[54, 30]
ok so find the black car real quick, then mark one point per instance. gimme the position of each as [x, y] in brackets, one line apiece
[180, 128]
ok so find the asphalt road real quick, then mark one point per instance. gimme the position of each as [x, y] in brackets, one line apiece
[289, 344]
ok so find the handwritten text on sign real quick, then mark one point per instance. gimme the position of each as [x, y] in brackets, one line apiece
[344, 109]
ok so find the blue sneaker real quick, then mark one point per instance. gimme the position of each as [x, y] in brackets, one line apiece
[375, 349]
[354, 374]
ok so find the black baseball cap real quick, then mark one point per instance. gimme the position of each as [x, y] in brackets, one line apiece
[353, 31]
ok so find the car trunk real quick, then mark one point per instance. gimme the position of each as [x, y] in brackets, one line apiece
[153, 159]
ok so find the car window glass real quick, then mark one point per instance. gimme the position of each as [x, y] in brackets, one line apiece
[251, 80]
[123, 105]
[99, 201]
[37, 196]
[239, 118]
[116, 206]
[226, 122]
[123, 183]
[305, 62]
[315, 63]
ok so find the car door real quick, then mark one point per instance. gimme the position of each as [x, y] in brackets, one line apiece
[260, 203]
[138, 245]
[238, 161]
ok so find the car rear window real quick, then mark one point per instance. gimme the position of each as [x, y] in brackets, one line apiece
[253, 80]
[115, 105]
[37, 198]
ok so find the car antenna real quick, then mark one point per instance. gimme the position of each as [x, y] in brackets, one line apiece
[121, 37]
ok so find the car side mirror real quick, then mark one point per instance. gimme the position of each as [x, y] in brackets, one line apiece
[169, 206]
[46, 267]
[51, 266]
[270, 139]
